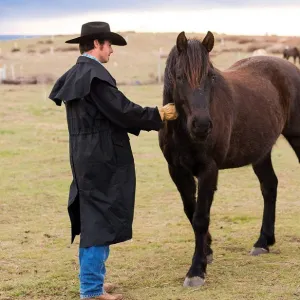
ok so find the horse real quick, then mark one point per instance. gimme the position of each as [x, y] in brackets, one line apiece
[226, 119]
[291, 52]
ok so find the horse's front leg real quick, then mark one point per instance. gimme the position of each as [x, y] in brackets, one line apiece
[186, 185]
[207, 184]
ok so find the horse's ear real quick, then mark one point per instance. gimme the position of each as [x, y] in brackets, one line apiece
[181, 42]
[209, 41]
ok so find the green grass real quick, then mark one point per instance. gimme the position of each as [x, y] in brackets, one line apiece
[38, 262]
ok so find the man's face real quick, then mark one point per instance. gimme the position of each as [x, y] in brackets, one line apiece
[103, 51]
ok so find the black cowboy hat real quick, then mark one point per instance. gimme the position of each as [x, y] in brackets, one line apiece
[98, 31]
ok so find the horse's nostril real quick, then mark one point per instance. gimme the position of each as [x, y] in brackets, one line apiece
[207, 130]
[201, 127]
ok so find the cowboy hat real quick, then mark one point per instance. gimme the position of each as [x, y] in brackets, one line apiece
[98, 31]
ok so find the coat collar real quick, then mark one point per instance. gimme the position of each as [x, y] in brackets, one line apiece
[83, 59]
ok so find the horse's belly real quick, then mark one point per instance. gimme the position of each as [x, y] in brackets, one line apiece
[247, 153]
[238, 162]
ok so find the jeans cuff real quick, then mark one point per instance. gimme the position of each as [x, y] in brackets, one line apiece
[91, 295]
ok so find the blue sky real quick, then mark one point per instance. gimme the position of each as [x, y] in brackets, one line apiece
[40, 8]
[228, 16]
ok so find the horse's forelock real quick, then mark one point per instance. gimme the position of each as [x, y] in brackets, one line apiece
[194, 62]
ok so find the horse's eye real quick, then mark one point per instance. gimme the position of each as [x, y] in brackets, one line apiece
[213, 78]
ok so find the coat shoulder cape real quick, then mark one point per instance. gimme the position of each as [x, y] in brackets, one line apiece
[76, 82]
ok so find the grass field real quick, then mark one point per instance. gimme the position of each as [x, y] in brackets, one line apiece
[38, 262]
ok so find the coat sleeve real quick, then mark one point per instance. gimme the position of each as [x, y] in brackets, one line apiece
[121, 111]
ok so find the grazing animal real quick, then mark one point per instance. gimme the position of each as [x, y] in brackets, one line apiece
[291, 52]
[226, 119]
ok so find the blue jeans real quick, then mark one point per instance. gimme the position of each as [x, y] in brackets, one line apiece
[92, 270]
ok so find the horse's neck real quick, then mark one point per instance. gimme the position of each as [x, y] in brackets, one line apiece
[223, 92]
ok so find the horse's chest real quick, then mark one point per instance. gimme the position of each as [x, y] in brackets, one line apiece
[187, 157]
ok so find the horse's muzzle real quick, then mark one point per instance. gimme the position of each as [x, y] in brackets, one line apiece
[200, 130]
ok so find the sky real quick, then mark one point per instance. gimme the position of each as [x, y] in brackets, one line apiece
[222, 16]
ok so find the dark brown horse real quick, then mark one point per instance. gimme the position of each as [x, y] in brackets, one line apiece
[226, 120]
[291, 52]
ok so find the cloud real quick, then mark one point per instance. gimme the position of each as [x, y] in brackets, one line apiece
[228, 16]
[56, 8]
[257, 21]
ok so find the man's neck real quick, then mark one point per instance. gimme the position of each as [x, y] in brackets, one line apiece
[91, 56]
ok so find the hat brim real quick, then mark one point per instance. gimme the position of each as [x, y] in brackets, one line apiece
[113, 37]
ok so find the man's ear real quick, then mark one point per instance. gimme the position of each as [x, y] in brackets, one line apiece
[96, 44]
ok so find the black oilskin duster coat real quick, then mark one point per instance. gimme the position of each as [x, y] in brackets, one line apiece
[101, 199]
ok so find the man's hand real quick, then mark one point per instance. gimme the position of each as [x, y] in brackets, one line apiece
[168, 112]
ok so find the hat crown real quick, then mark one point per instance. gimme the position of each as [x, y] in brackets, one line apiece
[94, 28]
[98, 30]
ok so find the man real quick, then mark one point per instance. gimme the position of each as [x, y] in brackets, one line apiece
[101, 199]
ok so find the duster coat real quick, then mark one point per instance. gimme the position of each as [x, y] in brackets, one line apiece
[99, 116]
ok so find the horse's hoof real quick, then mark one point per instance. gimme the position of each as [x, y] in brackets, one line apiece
[209, 258]
[193, 282]
[258, 251]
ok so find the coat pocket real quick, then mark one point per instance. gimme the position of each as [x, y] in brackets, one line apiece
[122, 150]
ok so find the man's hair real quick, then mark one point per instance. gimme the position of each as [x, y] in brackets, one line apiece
[88, 45]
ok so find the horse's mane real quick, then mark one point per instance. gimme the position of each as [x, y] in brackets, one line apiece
[194, 62]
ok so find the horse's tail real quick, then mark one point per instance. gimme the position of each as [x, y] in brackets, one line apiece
[290, 97]
[286, 98]
[286, 108]
[292, 129]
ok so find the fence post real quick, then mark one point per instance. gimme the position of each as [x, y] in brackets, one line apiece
[4, 72]
[12, 72]
[21, 71]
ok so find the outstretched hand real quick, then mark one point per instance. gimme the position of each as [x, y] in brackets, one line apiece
[168, 112]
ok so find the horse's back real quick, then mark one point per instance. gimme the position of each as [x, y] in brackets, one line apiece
[265, 63]
[265, 90]
[283, 75]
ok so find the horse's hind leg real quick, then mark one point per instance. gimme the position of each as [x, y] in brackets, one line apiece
[268, 184]
[294, 141]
